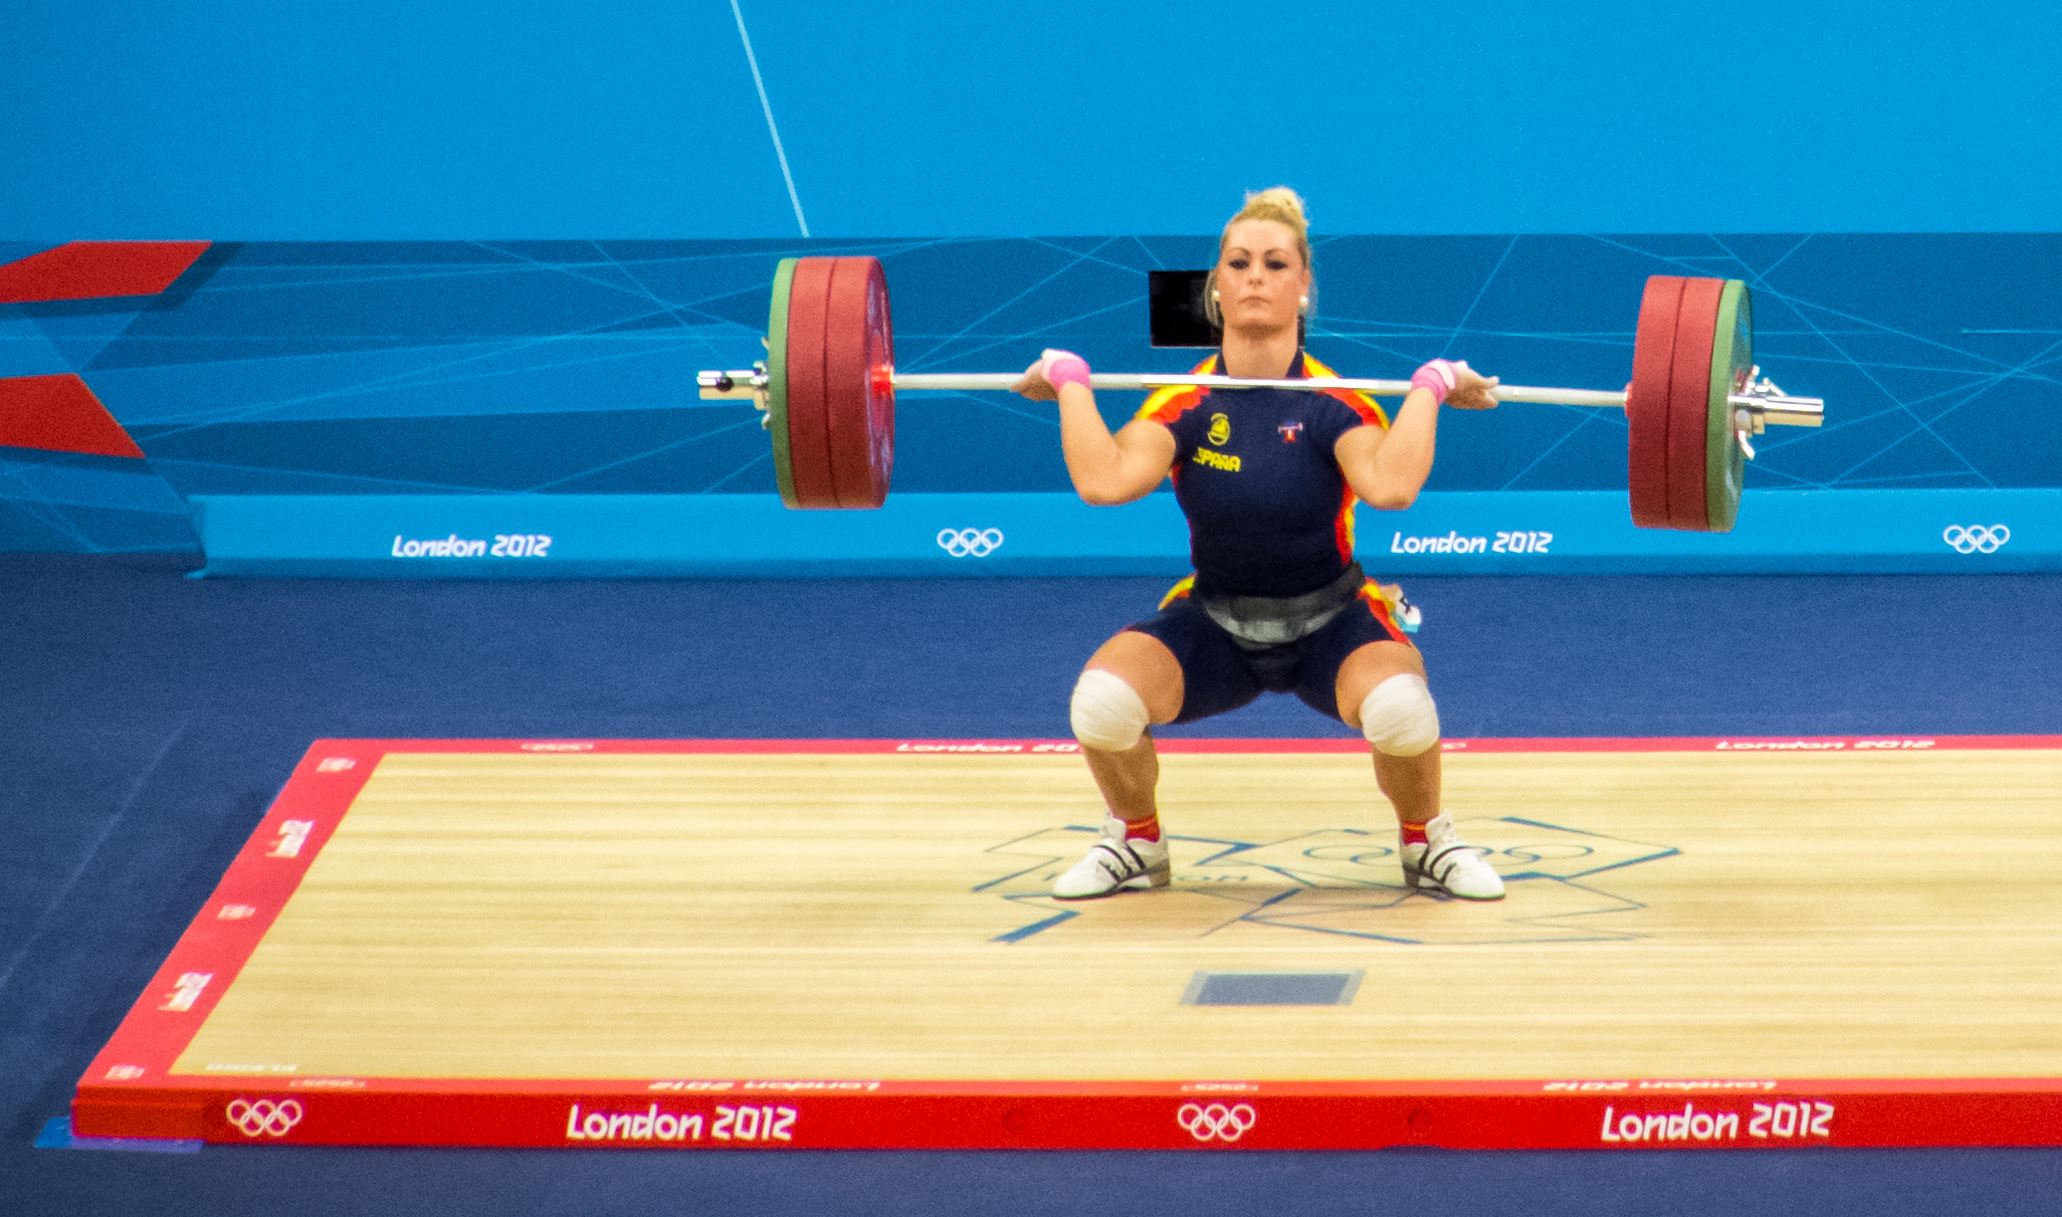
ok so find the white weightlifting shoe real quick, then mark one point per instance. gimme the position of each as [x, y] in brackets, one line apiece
[1448, 865]
[1114, 864]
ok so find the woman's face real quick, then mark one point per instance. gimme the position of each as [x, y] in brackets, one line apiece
[1261, 278]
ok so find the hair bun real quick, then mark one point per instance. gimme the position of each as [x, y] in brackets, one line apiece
[1282, 206]
[1276, 203]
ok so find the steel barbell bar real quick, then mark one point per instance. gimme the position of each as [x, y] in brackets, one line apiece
[1762, 403]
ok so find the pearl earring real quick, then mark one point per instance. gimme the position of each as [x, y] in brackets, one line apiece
[1303, 303]
[1214, 295]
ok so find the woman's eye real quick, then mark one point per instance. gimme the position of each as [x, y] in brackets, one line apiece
[1238, 264]
[1277, 265]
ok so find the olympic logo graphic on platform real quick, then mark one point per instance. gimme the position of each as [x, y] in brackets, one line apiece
[264, 1118]
[1216, 1122]
[970, 542]
[1977, 538]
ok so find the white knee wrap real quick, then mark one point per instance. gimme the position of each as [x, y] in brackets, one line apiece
[1107, 713]
[1398, 716]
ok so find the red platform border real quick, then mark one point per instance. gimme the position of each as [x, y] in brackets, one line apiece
[129, 1090]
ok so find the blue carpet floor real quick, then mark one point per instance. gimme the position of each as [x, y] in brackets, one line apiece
[150, 718]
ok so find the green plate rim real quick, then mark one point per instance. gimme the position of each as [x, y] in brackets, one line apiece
[1724, 464]
[777, 380]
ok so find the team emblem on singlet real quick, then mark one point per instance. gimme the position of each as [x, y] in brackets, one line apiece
[1220, 429]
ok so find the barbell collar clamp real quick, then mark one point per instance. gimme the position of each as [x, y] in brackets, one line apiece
[718, 385]
[1762, 403]
[748, 383]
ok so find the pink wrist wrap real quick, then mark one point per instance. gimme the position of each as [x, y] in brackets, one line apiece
[1437, 376]
[1065, 368]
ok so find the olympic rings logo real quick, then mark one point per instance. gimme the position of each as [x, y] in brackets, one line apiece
[970, 542]
[264, 1117]
[1976, 539]
[1216, 1121]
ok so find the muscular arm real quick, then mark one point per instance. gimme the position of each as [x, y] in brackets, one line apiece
[1106, 468]
[1387, 469]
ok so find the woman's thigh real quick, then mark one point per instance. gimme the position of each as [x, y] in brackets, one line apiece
[1184, 665]
[1357, 650]
[1369, 666]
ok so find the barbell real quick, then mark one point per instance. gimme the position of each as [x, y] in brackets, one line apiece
[827, 387]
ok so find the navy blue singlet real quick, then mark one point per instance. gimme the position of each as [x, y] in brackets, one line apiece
[1269, 512]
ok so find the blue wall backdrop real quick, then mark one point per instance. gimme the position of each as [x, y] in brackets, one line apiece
[628, 118]
[405, 299]
[567, 367]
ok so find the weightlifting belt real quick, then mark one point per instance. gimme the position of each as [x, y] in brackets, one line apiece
[1259, 622]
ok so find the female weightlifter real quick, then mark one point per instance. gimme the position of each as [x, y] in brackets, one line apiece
[1268, 479]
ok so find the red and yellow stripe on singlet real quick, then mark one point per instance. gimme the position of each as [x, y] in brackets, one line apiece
[1374, 416]
[1163, 406]
[1362, 404]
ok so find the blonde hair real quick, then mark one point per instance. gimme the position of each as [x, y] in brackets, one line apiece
[1277, 203]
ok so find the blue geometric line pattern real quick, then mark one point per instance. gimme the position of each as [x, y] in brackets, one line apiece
[567, 366]
[1343, 882]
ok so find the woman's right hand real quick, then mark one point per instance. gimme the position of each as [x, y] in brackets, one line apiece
[1042, 380]
[1034, 385]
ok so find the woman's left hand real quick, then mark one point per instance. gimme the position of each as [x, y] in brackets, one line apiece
[1471, 390]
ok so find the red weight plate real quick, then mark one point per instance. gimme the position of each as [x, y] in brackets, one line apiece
[1689, 402]
[879, 366]
[859, 398]
[809, 441]
[1646, 402]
